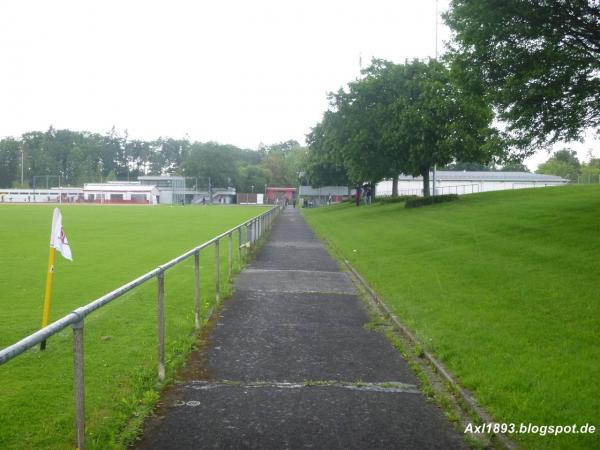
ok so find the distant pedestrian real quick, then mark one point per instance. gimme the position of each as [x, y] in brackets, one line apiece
[329, 200]
[357, 195]
[368, 194]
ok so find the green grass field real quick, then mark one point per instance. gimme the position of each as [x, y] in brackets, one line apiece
[111, 245]
[502, 287]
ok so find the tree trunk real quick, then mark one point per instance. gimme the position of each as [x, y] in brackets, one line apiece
[395, 186]
[425, 175]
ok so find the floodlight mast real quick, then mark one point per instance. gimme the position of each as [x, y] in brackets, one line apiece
[436, 56]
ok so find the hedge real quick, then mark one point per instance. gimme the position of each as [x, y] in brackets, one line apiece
[424, 201]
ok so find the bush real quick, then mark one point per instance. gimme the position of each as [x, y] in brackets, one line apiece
[399, 199]
[424, 201]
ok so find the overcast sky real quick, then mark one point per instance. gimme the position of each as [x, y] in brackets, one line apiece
[238, 72]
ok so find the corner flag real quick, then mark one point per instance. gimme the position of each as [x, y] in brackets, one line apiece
[58, 241]
[58, 238]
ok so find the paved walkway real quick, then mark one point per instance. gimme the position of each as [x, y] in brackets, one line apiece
[290, 365]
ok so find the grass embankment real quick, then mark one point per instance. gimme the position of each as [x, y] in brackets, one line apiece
[111, 246]
[502, 287]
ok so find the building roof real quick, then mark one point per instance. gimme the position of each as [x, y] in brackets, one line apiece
[160, 177]
[324, 190]
[516, 177]
[281, 189]
[111, 187]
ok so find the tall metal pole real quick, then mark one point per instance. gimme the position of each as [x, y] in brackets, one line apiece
[436, 56]
[78, 384]
[230, 256]
[436, 28]
[161, 325]
[21, 164]
[197, 289]
[218, 272]
[239, 246]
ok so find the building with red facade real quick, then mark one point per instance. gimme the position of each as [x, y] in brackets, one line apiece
[280, 195]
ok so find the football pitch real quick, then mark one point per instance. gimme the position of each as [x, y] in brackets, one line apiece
[111, 245]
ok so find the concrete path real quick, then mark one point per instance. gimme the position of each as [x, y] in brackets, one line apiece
[290, 365]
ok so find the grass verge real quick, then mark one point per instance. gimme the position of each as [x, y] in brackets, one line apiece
[501, 287]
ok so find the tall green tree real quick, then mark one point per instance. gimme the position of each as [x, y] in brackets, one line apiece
[324, 165]
[210, 161]
[514, 166]
[538, 61]
[253, 178]
[440, 122]
[284, 160]
[563, 163]
[404, 118]
[10, 162]
[590, 171]
[359, 132]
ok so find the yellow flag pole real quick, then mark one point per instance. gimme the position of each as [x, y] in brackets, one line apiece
[48, 292]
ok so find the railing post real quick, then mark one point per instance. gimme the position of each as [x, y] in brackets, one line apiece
[249, 232]
[161, 325]
[218, 272]
[230, 255]
[239, 248]
[197, 289]
[78, 384]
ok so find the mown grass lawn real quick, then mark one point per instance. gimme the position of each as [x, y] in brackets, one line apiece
[111, 245]
[502, 287]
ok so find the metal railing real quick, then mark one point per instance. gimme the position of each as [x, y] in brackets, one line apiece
[458, 189]
[255, 228]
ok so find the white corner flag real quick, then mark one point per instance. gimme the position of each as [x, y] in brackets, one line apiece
[58, 241]
[58, 238]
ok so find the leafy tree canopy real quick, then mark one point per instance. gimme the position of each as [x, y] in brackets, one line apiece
[563, 163]
[401, 118]
[73, 158]
[514, 167]
[538, 61]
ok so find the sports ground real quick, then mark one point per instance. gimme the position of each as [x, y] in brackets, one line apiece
[501, 287]
[111, 245]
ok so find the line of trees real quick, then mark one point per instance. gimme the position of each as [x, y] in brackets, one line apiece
[533, 66]
[565, 163]
[400, 118]
[74, 158]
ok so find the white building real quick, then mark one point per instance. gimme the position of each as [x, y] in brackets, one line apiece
[120, 192]
[463, 182]
[171, 189]
[42, 195]
[312, 196]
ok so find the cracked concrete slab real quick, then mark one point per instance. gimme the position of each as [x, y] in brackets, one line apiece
[300, 336]
[331, 418]
[387, 386]
[294, 281]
